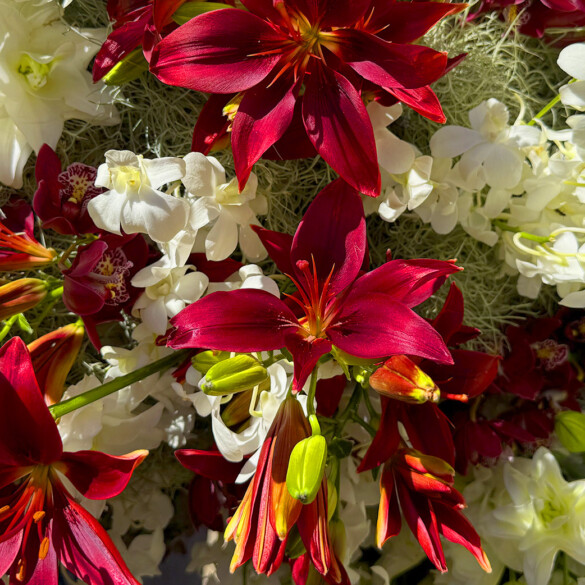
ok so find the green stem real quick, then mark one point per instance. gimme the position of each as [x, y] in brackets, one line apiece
[357, 418]
[504, 226]
[546, 109]
[312, 392]
[67, 406]
[352, 406]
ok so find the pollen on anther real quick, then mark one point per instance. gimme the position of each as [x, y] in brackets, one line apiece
[38, 516]
[44, 548]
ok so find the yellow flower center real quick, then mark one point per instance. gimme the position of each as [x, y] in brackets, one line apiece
[35, 73]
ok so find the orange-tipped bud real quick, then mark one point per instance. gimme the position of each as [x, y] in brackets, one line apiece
[20, 295]
[53, 356]
[400, 378]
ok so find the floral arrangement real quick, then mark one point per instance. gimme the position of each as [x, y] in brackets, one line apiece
[304, 275]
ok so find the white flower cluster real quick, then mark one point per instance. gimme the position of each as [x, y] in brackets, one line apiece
[517, 186]
[526, 513]
[44, 81]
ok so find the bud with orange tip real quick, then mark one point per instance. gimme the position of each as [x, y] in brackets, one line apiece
[401, 379]
[20, 295]
[53, 356]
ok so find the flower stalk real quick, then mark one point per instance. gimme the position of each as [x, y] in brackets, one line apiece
[67, 406]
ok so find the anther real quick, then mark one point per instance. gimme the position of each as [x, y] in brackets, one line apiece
[38, 516]
[44, 548]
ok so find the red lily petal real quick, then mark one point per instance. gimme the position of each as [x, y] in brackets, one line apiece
[263, 9]
[263, 116]
[328, 395]
[119, 44]
[429, 430]
[338, 125]
[408, 20]
[240, 320]
[278, 245]
[456, 528]
[386, 440]
[209, 464]
[46, 570]
[216, 52]
[294, 143]
[99, 476]
[28, 432]
[8, 551]
[215, 271]
[408, 281]
[471, 373]
[422, 100]
[420, 517]
[331, 13]
[338, 244]
[163, 10]
[306, 354]
[450, 317]
[388, 64]
[85, 549]
[389, 518]
[377, 326]
[211, 128]
[47, 167]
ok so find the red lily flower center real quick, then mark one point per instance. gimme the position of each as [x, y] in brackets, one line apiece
[26, 509]
[317, 302]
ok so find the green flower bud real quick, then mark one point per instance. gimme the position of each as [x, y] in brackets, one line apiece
[236, 374]
[206, 359]
[306, 467]
[129, 69]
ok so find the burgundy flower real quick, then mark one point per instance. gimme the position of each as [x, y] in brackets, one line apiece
[314, 61]
[62, 196]
[97, 286]
[41, 524]
[367, 316]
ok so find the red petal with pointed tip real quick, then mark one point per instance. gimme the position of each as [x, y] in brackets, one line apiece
[333, 234]
[209, 464]
[306, 354]
[422, 100]
[408, 281]
[264, 115]
[240, 320]
[386, 440]
[456, 528]
[420, 517]
[408, 20]
[85, 549]
[339, 127]
[377, 326]
[28, 433]
[450, 317]
[388, 65]
[389, 517]
[216, 52]
[163, 10]
[278, 246]
[99, 476]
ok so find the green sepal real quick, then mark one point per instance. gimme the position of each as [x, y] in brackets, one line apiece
[204, 360]
[235, 374]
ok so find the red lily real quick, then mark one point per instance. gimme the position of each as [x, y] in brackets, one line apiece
[313, 57]
[61, 198]
[41, 524]
[97, 286]
[422, 487]
[19, 250]
[366, 316]
[262, 522]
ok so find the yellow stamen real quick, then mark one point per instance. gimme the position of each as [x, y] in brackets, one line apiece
[44, 548]
[38, 516]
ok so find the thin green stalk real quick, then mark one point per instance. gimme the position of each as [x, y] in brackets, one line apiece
[312, 392]
[67, 406]
[546, 109]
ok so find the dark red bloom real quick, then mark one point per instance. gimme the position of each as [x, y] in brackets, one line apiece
[367, 316]
[41, 525]
[313, 60]
[97, 286]
[61, 197]
[422, 487]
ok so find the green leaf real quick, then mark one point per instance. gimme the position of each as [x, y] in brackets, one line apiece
[190, 10]
[129, 69]
[570, 429]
